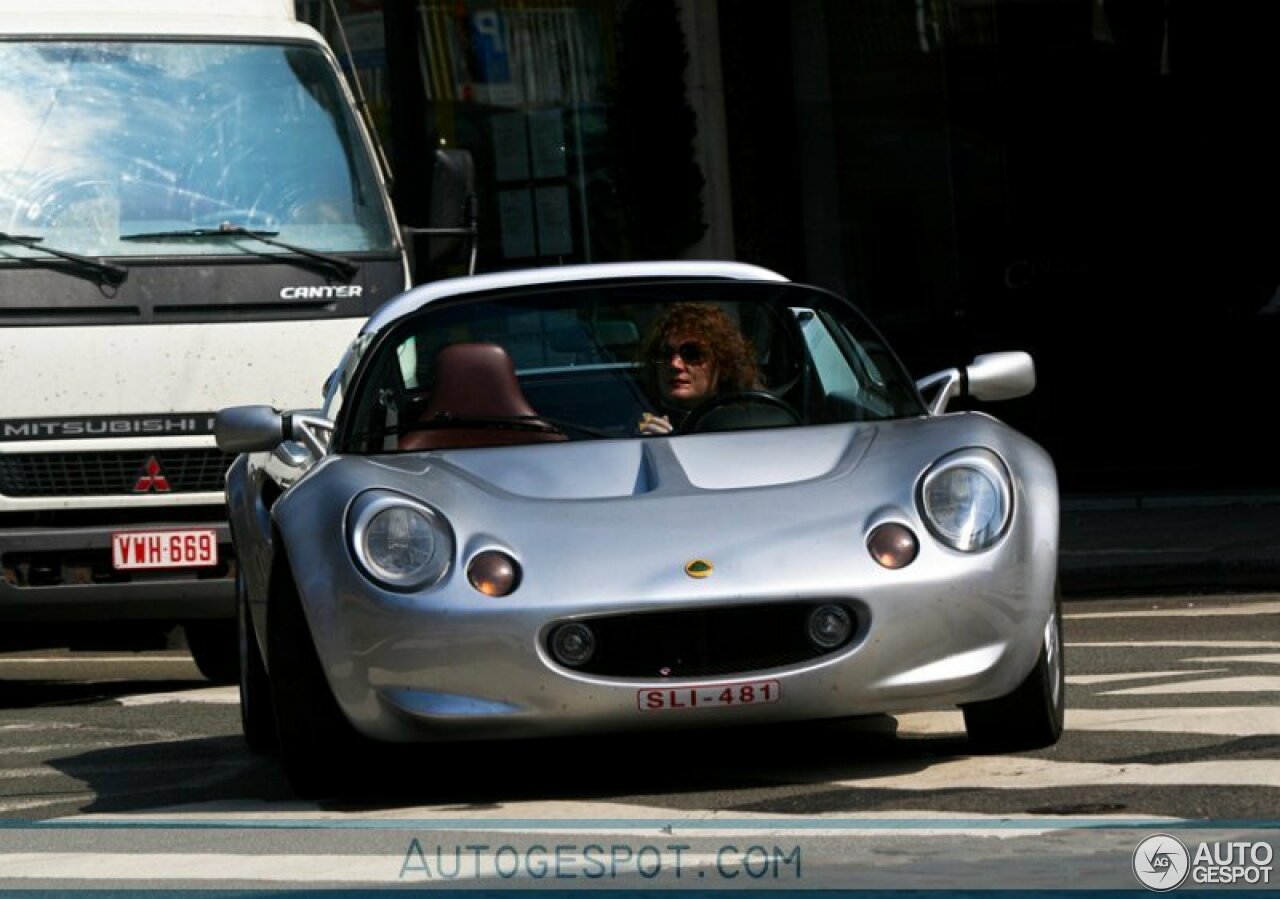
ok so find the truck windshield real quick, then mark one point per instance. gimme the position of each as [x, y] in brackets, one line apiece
[107, 139]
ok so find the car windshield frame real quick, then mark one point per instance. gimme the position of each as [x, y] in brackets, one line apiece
[601, 363]
[112, 137]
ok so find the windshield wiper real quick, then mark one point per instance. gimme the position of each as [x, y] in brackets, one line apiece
[334, 265]
[106, 272]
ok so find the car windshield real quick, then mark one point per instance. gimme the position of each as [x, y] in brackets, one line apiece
[146, 140]
[589, 362]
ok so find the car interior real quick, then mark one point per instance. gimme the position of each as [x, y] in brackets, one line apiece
[501, 375]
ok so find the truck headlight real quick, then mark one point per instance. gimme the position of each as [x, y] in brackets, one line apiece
[966, 499]
[399, 543]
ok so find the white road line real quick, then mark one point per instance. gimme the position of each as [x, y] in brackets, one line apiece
[1087, 679]
[207, 695]
[58, 748]
[40, 725]
[494, 869]
[1226, 721]
[978, 772]
[1178, 644]
[200, 866]
[1258, 608]
[598, 819]
[28, 773]
[96, 660]
[1266, 658]
[25, 805]
[1247, 684]
[203, 764]
[131, 736]
[1020, 773]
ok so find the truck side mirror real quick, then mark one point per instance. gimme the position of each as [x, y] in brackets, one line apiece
[452, 229]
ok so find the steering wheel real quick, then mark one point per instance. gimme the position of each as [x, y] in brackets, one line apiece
[771, 412]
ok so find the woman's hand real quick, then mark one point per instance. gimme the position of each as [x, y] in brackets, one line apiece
[654, 424]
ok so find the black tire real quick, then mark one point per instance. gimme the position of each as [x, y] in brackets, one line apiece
[257, 712]
[1032, 716]
[318, 746]
[213, 646]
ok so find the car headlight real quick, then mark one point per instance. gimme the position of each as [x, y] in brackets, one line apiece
[399, 543]
[966, 499]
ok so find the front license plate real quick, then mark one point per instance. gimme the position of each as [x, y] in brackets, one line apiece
[747, 693]
[191, 548]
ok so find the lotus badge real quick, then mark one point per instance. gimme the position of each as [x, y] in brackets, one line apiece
[699, 568]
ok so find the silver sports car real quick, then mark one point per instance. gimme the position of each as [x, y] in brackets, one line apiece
[637, 496]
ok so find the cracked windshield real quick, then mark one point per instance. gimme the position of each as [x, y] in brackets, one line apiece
[148, 148]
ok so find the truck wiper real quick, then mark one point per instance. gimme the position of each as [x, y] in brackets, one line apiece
[105, 272]
[336, 265]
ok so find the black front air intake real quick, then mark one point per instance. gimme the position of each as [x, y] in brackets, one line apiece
[706, 642]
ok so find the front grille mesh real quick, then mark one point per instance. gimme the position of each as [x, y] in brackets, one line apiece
[110, 473]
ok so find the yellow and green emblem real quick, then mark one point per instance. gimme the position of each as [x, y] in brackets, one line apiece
[699, 568]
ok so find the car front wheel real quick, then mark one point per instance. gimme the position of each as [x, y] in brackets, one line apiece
[318, 746]
[1031, 717]
[257, 713]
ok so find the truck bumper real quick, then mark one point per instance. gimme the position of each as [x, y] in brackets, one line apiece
[65, 574]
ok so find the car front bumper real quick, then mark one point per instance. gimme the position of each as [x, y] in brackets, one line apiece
[405, 674]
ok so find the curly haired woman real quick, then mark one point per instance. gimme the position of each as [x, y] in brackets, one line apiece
[695, 352]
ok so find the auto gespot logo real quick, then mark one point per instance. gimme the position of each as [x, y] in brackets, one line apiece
[1162, 862]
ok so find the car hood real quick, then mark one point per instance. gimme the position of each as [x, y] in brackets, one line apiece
[884, 459]
[773, 510]
[620, 468]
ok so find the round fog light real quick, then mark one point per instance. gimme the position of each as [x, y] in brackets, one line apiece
[493, 573]
[829, 626]
[573, 644]
[893, 545]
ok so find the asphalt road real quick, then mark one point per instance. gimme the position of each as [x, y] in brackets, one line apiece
[1173, 721]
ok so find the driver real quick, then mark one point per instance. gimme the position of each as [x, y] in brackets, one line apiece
[695, 352]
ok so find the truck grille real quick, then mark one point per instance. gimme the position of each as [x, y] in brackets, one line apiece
[113, 473]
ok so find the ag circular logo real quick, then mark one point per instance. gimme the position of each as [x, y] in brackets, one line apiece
[1161, 862]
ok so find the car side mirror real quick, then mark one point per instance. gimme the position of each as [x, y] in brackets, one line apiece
[1001, 376]
[257, 429]
[248, 429]
[990, 377]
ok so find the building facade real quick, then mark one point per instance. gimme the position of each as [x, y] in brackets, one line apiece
[1089, 180]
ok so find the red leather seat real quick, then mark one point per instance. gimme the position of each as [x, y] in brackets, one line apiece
[476, 381]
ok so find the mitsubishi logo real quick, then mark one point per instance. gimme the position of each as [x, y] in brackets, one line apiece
[151, 478]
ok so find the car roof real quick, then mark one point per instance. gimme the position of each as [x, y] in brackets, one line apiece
[424, 294]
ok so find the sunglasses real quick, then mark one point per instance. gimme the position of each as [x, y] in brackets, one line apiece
[690, 352]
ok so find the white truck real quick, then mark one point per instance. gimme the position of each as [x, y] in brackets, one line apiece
[190, 209]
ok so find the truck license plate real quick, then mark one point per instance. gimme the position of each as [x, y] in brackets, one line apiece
[191, 548]
[745, 693]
